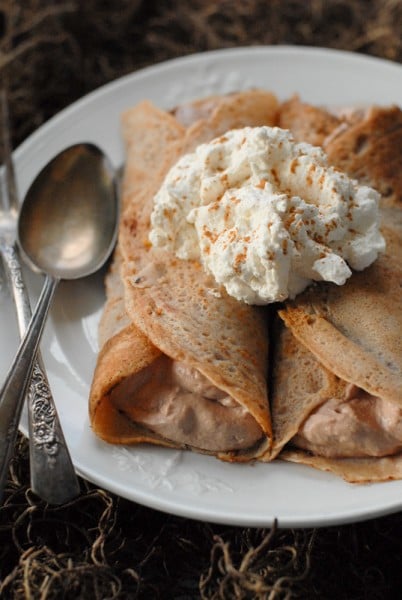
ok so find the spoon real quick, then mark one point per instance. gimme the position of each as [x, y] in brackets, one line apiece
[66, 230]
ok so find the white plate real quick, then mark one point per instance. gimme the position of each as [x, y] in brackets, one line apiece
[182, 483]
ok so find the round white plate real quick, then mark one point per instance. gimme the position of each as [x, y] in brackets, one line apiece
[183, 483]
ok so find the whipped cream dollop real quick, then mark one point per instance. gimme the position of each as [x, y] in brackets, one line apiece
[266, 215]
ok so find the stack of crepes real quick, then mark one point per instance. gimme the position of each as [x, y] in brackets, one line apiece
[182, 364]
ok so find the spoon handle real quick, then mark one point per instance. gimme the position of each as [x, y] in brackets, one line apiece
[17, 380]
[52, 473]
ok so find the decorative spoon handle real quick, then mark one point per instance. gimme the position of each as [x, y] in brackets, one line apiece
[15, 387]
[16, 384]
[52, 473]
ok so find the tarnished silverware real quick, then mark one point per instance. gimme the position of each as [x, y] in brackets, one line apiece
[52, 473]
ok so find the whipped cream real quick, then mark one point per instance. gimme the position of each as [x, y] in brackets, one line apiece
[266, 215]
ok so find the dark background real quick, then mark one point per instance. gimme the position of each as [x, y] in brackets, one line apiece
[101, 546]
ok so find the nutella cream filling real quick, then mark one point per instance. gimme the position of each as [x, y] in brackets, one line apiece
[359, 425]
[180, 404]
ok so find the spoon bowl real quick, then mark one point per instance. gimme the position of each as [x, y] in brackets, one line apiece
[67, 223]
[66, 230]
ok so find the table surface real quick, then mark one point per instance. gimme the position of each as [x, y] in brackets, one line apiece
[102, 546]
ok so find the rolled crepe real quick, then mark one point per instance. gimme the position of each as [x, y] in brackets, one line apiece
[321, 420]
[337, 373]
[181, 363]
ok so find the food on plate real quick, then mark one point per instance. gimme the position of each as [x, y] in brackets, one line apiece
[337, 385]
[187, 359]
[194, 358]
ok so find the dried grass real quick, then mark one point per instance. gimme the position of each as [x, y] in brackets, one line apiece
[100, 546]
[56, 51]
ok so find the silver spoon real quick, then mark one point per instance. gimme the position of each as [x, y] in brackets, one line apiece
[52, 473]
[66, 230]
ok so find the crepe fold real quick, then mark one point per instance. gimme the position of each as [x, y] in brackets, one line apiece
[337, 372]
[181, 363]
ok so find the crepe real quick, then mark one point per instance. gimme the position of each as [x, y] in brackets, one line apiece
[307, 123]
[338, 336]
[166, 322]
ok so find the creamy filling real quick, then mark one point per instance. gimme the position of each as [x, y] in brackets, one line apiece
[359, 425]
[177, 402]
